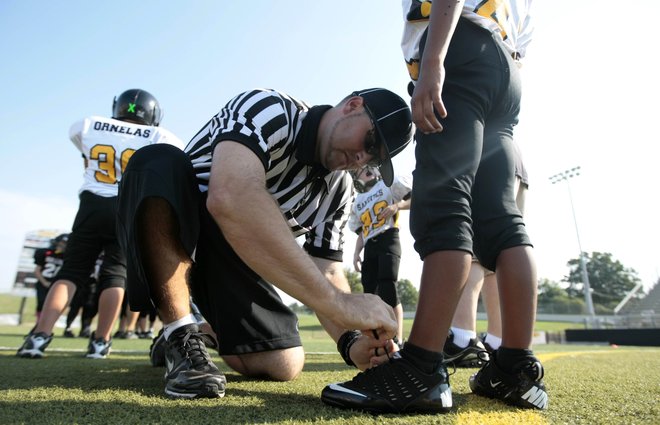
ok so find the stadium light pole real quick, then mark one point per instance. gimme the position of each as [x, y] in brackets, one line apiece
[565, 176]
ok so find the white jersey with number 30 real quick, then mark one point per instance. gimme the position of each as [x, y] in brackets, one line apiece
[107, 144]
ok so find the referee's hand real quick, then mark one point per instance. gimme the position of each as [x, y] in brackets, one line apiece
[365, 312]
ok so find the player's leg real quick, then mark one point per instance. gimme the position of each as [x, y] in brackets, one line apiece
[78, 264]
[440, 219]
[388, 259]
[502, 244]
[491, 299]
[462, 347]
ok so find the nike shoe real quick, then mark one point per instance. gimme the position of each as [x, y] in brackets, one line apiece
[474, 355]
[523, 387]
[189, 370]
[98, 348]
[488, 348]
[393, 387]
[68, 334]
[145, 335]
[34, 345]
[157, 350]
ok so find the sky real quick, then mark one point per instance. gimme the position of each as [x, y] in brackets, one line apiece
[590, 99]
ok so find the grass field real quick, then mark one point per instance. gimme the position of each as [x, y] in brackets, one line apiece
[593, 384]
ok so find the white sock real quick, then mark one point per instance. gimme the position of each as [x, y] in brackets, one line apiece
[493, 341]
[171, 327]
[462, 337]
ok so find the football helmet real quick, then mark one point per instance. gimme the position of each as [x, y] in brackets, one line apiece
[365, 178]
[64, 237]
[138, 106]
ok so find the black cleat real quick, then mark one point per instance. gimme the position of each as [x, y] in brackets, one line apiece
[523, 387]
[98, 348]
[85, 332]
[68, 333]
[190, 372]
[34, 345]
[474, 355]
[394, 387]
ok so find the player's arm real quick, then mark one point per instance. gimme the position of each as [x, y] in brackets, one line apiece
[394, 208]
[359, 245]
[426, 97]
[253, 225]
[40, 277]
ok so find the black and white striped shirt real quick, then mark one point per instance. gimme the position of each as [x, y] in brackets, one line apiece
[282, 131]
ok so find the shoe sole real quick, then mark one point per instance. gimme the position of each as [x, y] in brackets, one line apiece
[30, 354]
[345, 401]
[210, 391]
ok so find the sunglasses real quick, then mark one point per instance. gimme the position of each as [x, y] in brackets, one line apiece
[371, 145]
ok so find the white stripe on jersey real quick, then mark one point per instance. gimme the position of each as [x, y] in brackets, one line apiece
[267, 122]
[108, 144]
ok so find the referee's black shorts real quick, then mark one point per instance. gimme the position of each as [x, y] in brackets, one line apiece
[245, 311]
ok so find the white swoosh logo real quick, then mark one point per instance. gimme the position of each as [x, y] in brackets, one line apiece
[337, 387]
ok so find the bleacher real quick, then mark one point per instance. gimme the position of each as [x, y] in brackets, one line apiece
[642, 312]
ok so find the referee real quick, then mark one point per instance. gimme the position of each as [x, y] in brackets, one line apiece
[219, 222]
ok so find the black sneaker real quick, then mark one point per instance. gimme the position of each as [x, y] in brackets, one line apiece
[157, 350]
[85, 332]
[34, 345]
[393, 387]
[488, 348]
[190, 372]
[98, 348]
[523, 387]
[68, 334]
[474, 355]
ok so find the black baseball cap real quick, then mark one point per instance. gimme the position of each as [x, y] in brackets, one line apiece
[393, 121]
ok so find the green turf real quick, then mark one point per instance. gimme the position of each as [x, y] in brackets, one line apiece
[587, 385]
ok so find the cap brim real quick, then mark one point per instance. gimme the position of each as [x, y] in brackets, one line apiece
[386, 168]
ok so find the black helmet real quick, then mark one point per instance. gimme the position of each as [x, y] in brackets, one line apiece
[363, 187]
[137, 105]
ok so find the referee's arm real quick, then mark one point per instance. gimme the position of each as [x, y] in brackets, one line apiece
[253, 225]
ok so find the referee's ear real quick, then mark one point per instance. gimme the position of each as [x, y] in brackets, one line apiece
[352, 103]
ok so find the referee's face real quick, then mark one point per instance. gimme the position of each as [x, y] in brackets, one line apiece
[350, 143]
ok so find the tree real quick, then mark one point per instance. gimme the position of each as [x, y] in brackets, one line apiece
[554, 299]
[408, 294]
[354, 280]
[610, 281]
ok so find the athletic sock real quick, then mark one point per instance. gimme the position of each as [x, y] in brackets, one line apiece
[425, 360]
[171, 327]
[507, 358]
[494, 341]
[462, 337]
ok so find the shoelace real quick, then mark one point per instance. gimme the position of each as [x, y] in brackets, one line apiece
[384, 348]
[193, 348]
